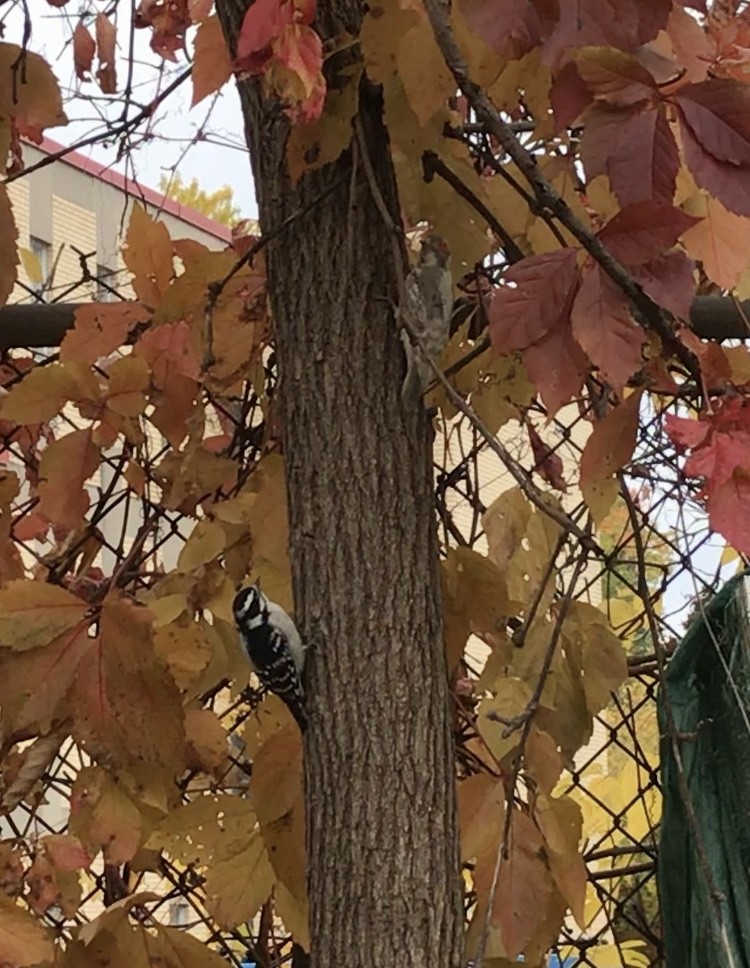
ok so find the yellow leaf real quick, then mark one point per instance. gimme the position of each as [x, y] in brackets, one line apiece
[561, 824]
[24, 941]
[237, 886]
[205, 544]
[602, 657]
[207, 741]
[481, 810]
[33, 613]
[276, 783]
[186, 649]
[41, 394]
[311, 146]
[31, 95]
[104, 817]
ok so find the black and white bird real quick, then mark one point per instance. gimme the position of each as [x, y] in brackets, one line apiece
[427, 309]
[274, 647]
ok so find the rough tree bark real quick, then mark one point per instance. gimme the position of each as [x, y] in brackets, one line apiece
[383, 855]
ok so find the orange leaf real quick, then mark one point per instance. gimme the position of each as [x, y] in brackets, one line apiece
[607, 450]
[100, 329]
[148, 255]
[212, 66]
[8, 247]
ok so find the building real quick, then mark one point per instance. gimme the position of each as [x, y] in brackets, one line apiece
[68, 208]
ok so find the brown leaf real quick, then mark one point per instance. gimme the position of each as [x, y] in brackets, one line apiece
[614, 76]
[481, 811]
[106, 40]
[207, 741]
[561, 824]
[645, 230]
[33, 99]
[84, 48]
[720, 240]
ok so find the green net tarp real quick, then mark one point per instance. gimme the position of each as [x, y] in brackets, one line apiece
[705, 893]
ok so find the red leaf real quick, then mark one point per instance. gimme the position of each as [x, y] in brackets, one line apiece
[556, 366]
[640, 232]
[720, 454]
[625, 24]
[569, 96]
[512, 28]
[717, 112]
[276, 41]
[547, 463]
[669, 281]
[262, 24]
[524, 314]
[84, 48]
[728, 182]
[614, 76]
[635, 148]
[602, 327]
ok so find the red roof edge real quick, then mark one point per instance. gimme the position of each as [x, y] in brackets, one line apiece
[135, 189]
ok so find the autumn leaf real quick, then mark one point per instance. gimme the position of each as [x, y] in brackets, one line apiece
[718, 443]
[100, 329]
[614, 76]
[104, 817]
[220, 834]
[24, 940]
[34, 100]
[529, 306]
[84, 48]
[212, 65]
[33, 613]
[715, 126]
[276, 42]
[106, 39]
[8, 248]
[66, 465]
[126, 706]
[148, 255]
[608, 449]
[603, 328]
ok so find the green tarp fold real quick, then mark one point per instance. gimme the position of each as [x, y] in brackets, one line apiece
[706, 916]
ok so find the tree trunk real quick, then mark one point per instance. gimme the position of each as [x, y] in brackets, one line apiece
[383, 861]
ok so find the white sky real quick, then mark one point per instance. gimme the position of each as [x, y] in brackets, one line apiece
[221, 160]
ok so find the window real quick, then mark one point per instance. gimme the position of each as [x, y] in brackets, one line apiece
[105, 283]
[179, 914]
[42, 252]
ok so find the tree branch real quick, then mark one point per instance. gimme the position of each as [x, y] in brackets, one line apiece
[34, 325]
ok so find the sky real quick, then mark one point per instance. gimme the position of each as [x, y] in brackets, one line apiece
[220, 160]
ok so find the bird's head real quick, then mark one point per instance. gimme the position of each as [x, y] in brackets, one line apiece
[434, 251]
[248, 604]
